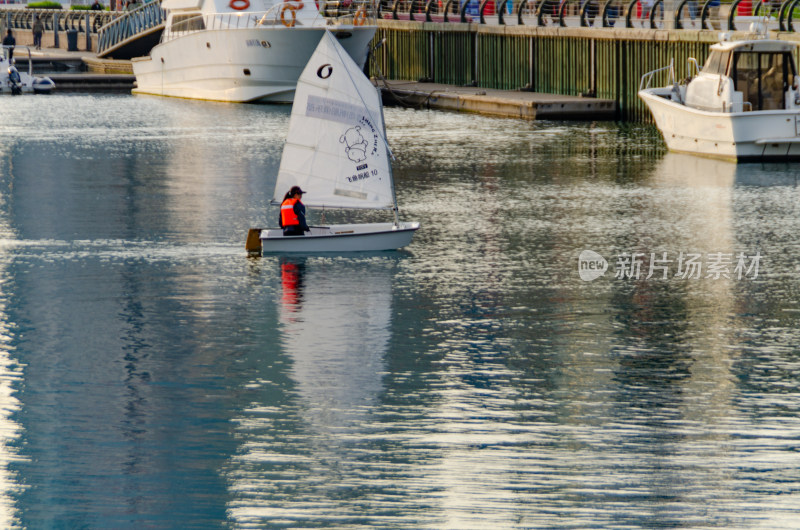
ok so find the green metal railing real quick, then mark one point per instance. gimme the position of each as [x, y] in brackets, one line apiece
[57, 21]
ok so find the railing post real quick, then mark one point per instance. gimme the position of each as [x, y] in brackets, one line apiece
[678, 16]
[520, 7]
[790, 15]
[88, 33]
[734, 4]
[628, 12]
[447, 9]
[55, 30]
[464, 11]
[561, 9]
[782, 14]
[653, 10]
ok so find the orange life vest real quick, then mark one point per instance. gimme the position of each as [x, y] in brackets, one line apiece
[288, 217]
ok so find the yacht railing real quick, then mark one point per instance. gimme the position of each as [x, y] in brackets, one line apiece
[283, 14]
[647, 78]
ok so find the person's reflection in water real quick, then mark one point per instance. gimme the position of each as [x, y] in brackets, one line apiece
[292, 271]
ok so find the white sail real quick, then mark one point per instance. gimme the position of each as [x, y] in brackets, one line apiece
[335, 149]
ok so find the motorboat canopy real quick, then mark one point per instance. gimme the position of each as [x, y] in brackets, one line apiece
[743, 76]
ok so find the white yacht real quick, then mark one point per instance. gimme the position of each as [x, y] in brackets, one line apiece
[743, 105]
[244, 51]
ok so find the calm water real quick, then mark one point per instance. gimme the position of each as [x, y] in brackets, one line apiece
[153, 376]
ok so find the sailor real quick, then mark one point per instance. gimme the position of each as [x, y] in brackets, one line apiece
[293, 213]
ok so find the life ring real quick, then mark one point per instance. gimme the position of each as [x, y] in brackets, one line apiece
[360, 18]
[292, 8]
[239, 5]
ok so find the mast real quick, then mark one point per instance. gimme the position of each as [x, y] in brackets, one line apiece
[389, 157]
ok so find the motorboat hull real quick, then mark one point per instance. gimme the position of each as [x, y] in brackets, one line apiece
[735, 136]
[38, 85]
[249, 65]
[28, 83]
[371, 237]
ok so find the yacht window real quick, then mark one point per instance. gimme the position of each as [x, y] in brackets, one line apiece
[772, 75]
[188, 22]
[717, 63]
[712, 63]
[762, 78]
[745, 78]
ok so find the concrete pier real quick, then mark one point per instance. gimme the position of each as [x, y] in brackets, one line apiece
[506, 103]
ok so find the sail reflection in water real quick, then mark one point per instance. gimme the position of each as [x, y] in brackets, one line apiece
[334, 321]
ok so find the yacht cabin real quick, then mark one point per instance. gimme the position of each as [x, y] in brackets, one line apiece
[746, 76]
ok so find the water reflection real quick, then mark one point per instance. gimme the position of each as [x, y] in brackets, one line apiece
[672, 346]
[170, 381]
[334, 328]
[10, 371]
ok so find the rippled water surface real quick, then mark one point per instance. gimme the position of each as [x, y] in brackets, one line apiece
[151, 375]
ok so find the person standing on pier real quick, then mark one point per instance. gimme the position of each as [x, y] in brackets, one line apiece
[38, 29]
[10, 41]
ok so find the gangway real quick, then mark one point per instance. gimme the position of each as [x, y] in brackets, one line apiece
[133, 34]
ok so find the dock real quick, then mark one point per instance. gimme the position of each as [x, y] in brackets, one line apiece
[505, 103]
[88, 82]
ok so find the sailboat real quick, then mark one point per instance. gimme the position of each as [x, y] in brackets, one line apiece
[336, 150]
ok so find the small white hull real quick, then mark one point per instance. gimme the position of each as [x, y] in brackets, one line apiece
[736, 136]
[28, 83]
[249, 65]
[371, 237]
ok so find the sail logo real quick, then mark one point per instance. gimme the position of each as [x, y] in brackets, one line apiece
[591, 265]
[355, 147]
[324, 71]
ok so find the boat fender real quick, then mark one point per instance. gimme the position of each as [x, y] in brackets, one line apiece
[360, 17]
[291, 8]
[239, 5]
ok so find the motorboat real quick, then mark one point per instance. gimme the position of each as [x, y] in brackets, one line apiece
[245, 51]
[336, 150]
[744, 104]
[14, 82]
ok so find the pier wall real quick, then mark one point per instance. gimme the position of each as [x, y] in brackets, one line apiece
[605, 62]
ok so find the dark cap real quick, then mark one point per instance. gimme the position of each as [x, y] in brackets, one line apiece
[295, 190]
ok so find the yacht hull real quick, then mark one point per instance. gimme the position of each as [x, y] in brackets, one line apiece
[371, 237]
[735, 136]
[251, 65]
